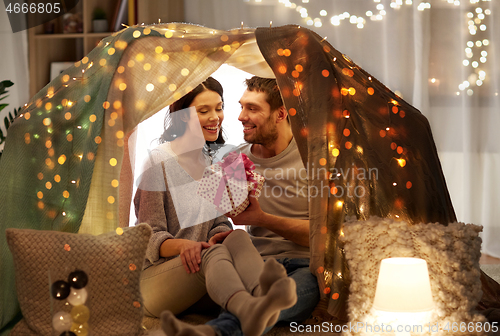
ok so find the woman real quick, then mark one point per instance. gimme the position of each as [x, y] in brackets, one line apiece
[184, 259]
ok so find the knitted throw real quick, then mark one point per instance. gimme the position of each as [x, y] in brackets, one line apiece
[452, 253]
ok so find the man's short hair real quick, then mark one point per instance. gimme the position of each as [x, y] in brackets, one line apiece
[269, 86]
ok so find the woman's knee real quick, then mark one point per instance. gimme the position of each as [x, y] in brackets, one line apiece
[237, 238]
[217, 251]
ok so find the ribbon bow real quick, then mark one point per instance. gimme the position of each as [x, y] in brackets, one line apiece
[237, 166]
[233, 166]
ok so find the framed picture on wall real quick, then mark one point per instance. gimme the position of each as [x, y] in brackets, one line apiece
[57, 67]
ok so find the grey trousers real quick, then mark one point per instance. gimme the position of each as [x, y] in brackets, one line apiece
[225, 269]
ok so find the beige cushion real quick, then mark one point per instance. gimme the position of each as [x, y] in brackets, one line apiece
[112, 262]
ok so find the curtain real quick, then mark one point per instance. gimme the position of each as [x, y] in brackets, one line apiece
[13, 67]
[420, 53]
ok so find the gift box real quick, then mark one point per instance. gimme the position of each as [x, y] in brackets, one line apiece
[227, 183]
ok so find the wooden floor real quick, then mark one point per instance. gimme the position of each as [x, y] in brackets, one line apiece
[488, 260]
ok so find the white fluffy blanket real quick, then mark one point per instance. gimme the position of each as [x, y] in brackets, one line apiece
[452, 253]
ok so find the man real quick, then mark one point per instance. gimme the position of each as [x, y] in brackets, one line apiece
[278, 222]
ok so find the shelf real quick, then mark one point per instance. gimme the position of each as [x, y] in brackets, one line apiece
[101, 35]
[47, 48]
[71, 36]
[59, 36]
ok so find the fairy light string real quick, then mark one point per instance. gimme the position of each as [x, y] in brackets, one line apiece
[476, 52]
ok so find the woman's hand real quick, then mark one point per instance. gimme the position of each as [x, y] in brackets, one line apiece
[190, 253]
[219, 237]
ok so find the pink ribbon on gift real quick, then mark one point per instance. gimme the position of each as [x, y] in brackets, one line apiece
[249, 168]
[235, 166]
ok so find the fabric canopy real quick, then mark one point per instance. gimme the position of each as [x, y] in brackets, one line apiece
[66, 164]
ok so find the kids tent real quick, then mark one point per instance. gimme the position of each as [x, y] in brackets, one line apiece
[66, 165]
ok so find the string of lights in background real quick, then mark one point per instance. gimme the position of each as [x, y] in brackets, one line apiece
[475, 52]
[374, 14]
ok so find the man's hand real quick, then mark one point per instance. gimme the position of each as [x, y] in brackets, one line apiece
[190, 253]
[296, 230]
[253, 214]
[219, 237]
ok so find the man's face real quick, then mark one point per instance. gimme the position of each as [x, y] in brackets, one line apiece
[259, 122]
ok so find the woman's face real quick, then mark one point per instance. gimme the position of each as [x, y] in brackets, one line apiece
[208, 105]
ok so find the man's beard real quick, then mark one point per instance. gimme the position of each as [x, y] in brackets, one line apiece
[265, 137]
